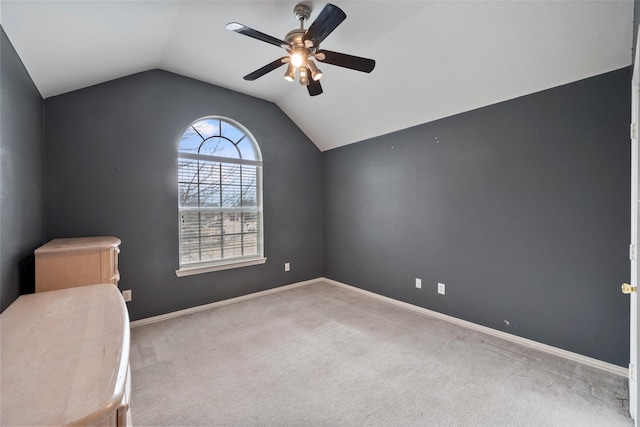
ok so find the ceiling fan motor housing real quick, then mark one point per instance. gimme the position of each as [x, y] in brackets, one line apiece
[295, 38]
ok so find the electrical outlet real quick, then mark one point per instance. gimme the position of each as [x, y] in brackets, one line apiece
[418, 283]
[126, 295]
[441, 288]
[287, 266]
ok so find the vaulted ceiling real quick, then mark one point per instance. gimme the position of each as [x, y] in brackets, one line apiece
[433, 58]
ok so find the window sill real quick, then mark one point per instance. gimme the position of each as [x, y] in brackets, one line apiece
[200, 269]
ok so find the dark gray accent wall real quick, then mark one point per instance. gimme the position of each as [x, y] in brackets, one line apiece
[112, 170]
[21, 175]
[636, 21]
[521, 208]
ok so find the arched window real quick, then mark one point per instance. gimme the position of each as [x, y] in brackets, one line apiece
[219, 197]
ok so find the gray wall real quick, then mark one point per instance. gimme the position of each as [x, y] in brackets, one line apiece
[22, 185]
[520, 208]
[112, 170]
[636, 21]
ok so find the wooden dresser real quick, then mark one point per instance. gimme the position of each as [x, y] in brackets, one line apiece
[80, 261]
[65, 359]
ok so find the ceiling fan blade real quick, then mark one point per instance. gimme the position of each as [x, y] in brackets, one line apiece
[266, 69]
[314, 87]
[347, 61]
[330, 17]
[247, 31]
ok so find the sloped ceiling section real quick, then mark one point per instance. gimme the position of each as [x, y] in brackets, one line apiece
[434, 58]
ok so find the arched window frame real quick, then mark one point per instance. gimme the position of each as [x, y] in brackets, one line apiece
[219, 211]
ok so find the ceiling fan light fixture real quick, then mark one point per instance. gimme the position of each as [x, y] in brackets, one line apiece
[316, 74]
[290, 75]
[304, 78]
[297, 59]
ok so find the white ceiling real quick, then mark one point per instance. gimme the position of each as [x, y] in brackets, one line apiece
[433, 58]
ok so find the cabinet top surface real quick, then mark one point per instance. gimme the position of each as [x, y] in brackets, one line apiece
[78, 243]
[65, 356]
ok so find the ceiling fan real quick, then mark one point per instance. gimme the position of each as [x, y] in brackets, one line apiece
[303, 46]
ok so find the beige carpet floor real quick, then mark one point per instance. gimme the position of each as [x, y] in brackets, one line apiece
[320, 355]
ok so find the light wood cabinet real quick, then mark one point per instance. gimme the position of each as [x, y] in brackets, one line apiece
[65, 359]
[79, 261]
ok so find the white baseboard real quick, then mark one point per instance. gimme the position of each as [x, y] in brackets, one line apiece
[589, 361]
[173, 314]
